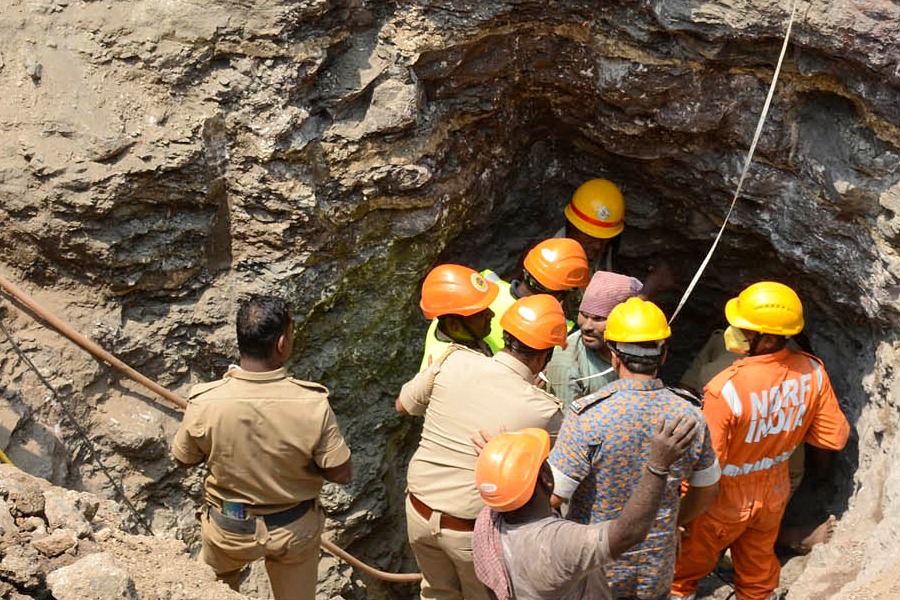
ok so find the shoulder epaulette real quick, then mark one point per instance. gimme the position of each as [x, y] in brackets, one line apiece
[202, 388]
[686, 395]
[453, 347]
[310, 385]
[582, 404]
[549, 396]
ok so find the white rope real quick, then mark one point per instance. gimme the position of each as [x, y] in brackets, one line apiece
[737, 192]
[601, 373]
[543, 376]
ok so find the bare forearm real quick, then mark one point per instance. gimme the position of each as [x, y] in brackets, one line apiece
[636, 519]
[340, 474]
[695, 501]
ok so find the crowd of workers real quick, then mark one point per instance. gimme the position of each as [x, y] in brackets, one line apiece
[529, 416]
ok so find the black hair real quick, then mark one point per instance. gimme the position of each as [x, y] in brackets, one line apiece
[641, 365]
[539, 288]
[261, 320]
[516, 345]
[775, 343]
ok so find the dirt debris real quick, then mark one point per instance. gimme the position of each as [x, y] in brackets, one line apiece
[106, 560]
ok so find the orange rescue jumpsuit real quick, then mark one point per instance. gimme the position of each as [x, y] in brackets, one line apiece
[758, 410]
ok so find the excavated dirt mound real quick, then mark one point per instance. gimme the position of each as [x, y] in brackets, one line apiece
[68, 545]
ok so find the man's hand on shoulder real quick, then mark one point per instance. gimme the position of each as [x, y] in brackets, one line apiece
[671, 440]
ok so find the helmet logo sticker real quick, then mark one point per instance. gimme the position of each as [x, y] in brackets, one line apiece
[548, 254]
[603, 212]
[488, 488]
[479, 283]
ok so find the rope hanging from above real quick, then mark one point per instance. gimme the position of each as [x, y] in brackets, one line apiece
[746, 169]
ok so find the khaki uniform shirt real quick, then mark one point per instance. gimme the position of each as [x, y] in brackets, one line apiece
[264, 436]
[555, 559]
[712, 359]
[467, 392]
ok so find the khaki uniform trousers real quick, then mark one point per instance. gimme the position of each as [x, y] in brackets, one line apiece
[291, 553]
[444, 557]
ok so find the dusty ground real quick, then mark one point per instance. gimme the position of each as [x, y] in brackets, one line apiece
[51, 536]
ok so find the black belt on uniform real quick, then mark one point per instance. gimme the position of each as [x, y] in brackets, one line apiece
[279, 519]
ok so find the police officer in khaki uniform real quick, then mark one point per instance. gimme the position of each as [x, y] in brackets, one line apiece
[269, 441]
[460, 394]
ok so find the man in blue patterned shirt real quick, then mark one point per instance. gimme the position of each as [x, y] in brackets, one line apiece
[604, 446]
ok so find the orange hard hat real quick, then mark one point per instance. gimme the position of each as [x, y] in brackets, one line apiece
[558, 264]
[597, 208]
[507, 468]
[456, 290]
[537, 321]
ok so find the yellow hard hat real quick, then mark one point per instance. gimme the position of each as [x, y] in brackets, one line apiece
[636, 320]
[597, 208]
[766, 307]
[507, 468]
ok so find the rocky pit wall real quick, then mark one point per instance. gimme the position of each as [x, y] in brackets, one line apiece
[162, 159]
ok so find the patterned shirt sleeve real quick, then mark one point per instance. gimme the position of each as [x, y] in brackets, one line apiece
[570, 458]
[706, 468]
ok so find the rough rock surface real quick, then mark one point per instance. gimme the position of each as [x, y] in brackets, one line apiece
[160, 160]
[97, 576]
[106, 563]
